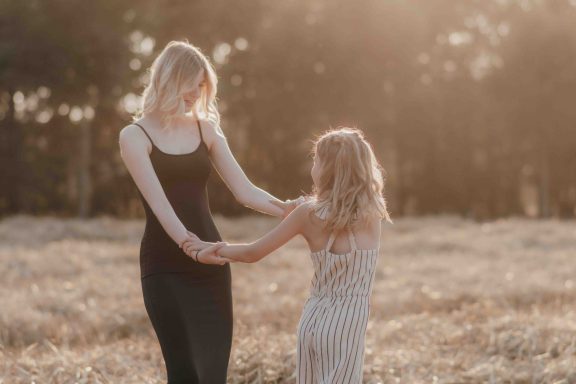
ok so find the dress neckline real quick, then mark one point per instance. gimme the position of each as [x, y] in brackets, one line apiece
[154, 147]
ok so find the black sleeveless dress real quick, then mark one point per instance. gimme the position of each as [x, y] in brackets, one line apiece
[189, 303]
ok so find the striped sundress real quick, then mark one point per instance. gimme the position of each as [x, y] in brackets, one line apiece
[332, 328]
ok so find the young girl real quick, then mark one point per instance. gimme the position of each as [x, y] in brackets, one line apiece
[341, 224]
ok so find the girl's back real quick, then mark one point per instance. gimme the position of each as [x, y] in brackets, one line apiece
[345, 262]
[367, 236]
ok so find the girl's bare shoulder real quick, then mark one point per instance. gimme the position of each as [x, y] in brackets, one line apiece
[368, 233]
[314, 223]
[303, 211]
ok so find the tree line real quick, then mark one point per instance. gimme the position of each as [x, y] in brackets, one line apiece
[468, 104]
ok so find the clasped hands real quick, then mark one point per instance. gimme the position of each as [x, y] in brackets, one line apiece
[207, 253]
[203, 251]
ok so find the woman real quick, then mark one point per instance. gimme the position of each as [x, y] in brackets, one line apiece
[168, 151]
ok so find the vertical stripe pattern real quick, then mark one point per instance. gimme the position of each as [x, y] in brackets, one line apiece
[332, 328]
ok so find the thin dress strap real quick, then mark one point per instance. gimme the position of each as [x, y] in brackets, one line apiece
[330, 241]
[200, 130]
[351, 239]
[146, 133]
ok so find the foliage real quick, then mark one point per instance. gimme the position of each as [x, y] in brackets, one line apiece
[468, 104]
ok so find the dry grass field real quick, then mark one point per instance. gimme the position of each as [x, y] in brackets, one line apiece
[454, 302]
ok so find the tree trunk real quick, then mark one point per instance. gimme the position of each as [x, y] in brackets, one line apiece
[544, 184]
[84, 176]
[12, 140]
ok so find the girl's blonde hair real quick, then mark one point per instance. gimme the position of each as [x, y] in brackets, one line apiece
[171, 74]
[350, 183]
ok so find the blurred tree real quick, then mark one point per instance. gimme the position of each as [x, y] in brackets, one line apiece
[75, 57]
[467, 104]
[535, 91]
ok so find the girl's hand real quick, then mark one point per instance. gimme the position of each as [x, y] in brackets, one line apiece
[288, 205]
[210, 255]
[227, 260]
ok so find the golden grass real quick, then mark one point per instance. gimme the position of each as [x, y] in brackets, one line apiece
[454, 302]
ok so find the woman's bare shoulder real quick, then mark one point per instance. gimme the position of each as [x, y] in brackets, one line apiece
[211, 131]
[210, 126]
[132, 137]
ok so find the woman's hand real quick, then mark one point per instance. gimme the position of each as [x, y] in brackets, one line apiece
[288, 205]
[210, 255]
[193, 242]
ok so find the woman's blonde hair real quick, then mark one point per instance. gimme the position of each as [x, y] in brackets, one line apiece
[350, 183]
[171, 74]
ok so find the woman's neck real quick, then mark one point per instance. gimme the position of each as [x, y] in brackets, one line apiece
[160, 120]
[156, 118]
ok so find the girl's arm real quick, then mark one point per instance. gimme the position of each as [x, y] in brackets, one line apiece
[280, 235]
[193, 243]
[134, 152]
[241, 187]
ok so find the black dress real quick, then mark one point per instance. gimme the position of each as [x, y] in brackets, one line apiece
[189, 304]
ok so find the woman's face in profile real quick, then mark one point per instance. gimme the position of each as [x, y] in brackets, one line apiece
[193, 92]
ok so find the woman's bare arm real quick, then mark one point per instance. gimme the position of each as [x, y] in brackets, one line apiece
[241, 187]
[134, 151]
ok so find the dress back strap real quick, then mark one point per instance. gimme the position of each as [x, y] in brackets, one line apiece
[200, 130]
[351, 239]
[330, 242]
[146, 133]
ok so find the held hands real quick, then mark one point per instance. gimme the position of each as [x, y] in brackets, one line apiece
[208, 255]
[194, 242]
[202, 251]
